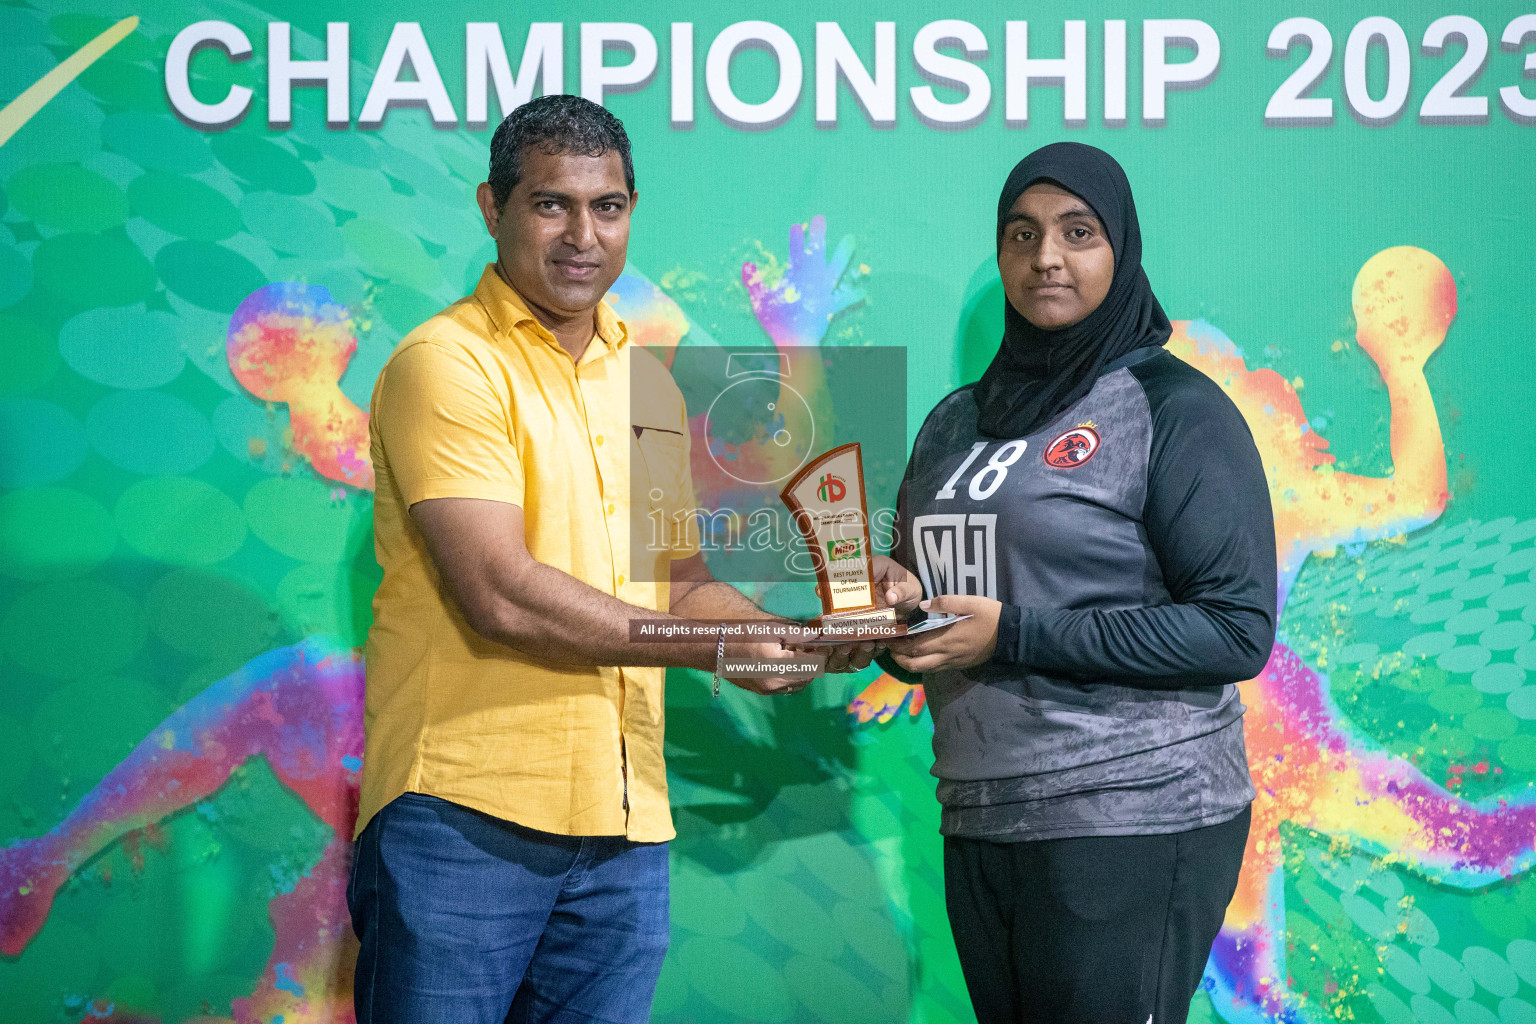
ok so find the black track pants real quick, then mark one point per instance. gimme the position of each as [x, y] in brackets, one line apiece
[1097, 930]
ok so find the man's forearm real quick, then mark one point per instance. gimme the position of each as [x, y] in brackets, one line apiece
[714, 599]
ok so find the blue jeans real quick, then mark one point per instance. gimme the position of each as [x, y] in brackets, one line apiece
[468, 919]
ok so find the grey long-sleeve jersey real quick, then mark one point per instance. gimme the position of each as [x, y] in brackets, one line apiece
[1132, 546]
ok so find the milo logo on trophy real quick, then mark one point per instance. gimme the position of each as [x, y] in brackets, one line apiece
[839, 549]
[826, 500]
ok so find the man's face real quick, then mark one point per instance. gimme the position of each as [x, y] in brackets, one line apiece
[1054, 260]
[562, 235]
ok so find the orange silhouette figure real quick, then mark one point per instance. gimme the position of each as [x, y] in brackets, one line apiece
[289, 343]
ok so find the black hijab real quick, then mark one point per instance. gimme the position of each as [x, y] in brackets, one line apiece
[1038, 373]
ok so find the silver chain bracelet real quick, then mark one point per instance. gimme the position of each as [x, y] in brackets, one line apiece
[719, 660]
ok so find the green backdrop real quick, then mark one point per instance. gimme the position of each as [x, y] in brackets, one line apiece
[182, 573]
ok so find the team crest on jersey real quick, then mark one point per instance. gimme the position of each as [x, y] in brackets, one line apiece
[1073, 448]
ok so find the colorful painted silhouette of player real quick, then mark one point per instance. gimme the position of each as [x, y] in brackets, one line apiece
[289, 343]
[301, 707]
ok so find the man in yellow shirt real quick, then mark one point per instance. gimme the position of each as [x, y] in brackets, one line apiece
[511, 835]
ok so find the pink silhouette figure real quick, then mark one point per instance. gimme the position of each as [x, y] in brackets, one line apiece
[289, 343]
[301, 707]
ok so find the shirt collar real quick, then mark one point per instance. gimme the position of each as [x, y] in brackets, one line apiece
[508, 311]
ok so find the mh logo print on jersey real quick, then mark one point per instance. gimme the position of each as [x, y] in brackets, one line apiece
[1073, 448]
[832, 488]
[957, 553]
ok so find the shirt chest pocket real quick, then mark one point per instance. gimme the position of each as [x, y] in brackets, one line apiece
[661, 463]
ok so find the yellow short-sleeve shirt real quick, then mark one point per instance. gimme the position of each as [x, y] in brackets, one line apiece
[482, 402]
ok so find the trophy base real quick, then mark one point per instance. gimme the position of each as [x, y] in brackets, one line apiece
[874, 624]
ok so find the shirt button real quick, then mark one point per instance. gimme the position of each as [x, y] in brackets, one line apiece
[599, 440]
[610, 508]
[621, 579]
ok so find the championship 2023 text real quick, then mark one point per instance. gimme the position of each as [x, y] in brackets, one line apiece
[943, 69]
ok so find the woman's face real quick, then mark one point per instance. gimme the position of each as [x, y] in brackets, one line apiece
[1055, 262]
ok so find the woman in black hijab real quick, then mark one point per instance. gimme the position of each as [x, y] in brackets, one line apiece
[1099, 510]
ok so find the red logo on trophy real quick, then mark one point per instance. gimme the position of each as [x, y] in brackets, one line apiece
[831, 488]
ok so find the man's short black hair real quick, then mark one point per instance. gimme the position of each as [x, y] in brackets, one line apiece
[556, 124]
